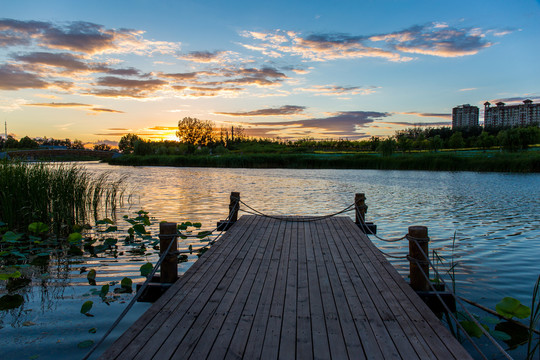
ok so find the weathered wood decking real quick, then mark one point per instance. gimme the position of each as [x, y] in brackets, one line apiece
[280, 289]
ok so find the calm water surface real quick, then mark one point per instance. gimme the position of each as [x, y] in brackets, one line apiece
[494, 217]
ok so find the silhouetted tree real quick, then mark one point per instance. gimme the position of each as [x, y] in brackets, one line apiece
[195, 132]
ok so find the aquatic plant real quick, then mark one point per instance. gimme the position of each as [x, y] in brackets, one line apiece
[57, 195]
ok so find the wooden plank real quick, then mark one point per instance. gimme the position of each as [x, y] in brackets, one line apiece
[136, 337]
[329, 308]
[319, 336]
[258, 330]
[195, 312]
[242, 328]
[435, 335]
[224, 320]
[208, 324]
[287, 343]
[289, 289]
[270, 346]
[304, 341]
[376, 340]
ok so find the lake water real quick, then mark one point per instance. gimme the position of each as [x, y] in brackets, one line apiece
[494, 218]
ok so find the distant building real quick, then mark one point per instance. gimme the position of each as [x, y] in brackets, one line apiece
[464, 116]
[514, 115]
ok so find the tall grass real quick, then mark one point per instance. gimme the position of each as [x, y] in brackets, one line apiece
[56, 194]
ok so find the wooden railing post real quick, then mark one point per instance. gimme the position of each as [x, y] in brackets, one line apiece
[418, 239]
[169, 266]
[234, 205]
[360, 208]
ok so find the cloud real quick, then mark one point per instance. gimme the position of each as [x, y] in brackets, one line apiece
[281, 111]
[95, 109]
[80, 36]
[60, 105]
[13, 78]
[411, 123]
[439, 115]
[122, 87]
[206, 56]
[516, 99]
[435, 39]
[346, 124]
[468, 89]
[335, 90]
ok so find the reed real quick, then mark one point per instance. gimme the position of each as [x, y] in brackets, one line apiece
[56, 194]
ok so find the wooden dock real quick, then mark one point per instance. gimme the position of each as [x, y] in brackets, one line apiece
[274, 289]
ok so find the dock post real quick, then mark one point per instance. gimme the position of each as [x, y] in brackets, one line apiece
[169, 266]
[234, 205]
[360, 207]
[418, 239]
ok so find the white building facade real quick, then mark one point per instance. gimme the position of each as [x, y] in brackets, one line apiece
[525, 114]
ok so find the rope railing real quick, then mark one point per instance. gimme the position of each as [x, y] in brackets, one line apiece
[288, 219]
[420, 265]
[149, 277]
[471, 316]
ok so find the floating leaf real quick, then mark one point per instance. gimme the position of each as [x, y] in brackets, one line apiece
[74, 250]
[105, 221]
[86, 307]
[11, 301]
[204, 234]
[11, 237]
[38, 228]
[111, 229]
[197, 225]
[472, 329]
[74, 238]
[500, 335]
[104, 291]
[85, 344]
[91, 276]
[510, 307]
[92, 331]
[182, 226]
[146, 269]
[140, 229]
[12, 275]
[28, 323]
[126, 283]
[110, 241]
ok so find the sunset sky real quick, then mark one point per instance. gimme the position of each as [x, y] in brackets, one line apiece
[96, 70]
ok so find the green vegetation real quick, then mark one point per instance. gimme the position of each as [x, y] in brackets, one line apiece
[59, 196]
[528, 161]
[467, 149]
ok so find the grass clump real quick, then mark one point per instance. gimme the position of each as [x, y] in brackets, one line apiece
[58, 195]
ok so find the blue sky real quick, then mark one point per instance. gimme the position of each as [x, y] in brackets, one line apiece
[344, 69]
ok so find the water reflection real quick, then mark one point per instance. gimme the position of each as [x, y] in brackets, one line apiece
[494, 217]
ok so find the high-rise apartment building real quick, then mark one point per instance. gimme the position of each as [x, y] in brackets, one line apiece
[514, 115]
[464, 116]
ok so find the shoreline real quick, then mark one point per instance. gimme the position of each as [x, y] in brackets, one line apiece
[519, 162]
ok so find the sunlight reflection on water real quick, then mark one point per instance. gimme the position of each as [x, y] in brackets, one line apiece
[495, 216]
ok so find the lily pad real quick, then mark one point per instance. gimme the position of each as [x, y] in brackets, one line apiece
[85, 344]
[11, 301]
[146, 269]
[510, 307]
[86, 307]
[91, 276]
[38, 228]
[472, 329]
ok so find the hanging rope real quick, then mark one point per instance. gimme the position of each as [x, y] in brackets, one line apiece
[491, 339]
[290, 219]
[147, 281]
[366, 229]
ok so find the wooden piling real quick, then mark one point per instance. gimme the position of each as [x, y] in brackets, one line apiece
[360, 207]
[169, 266]
[418, 246]
[234, 205]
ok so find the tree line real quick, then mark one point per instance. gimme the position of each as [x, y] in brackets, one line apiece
[203, 138]
[29, 143]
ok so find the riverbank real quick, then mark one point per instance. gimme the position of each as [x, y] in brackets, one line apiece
[489, 161]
